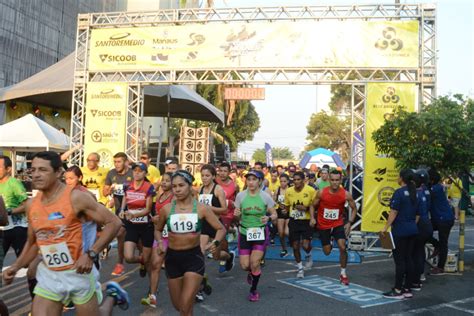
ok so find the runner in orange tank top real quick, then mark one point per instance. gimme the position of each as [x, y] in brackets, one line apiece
[55, 230]
[329, 203]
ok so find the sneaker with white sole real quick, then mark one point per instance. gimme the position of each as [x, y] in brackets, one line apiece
[300, 273]
[309, 261]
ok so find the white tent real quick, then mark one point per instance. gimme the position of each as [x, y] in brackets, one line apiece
[29, 133]
[54, 86]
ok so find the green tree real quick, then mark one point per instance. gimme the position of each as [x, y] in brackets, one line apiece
[245, 120]
[278, 153]
[441, 136]
[329, 131]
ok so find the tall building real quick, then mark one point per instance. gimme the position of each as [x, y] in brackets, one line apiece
[35, 34]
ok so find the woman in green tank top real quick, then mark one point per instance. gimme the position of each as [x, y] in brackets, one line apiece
[184, 260]
[252, 206]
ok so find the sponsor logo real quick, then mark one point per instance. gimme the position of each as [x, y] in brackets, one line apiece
[196, 39]
[120, 39]
[106, 94]
[105, 113]
[389, 40]
[379, 173]
[104, 137]
[117, 58]
[384, 195]
[390, 96]
[384, 216]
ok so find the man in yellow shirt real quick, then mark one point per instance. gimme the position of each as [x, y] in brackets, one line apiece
[299, 203]
[153, 174]
[94, 177]
[274, 182]
[454, 194]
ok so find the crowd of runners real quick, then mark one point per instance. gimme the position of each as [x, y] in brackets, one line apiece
[176, 221]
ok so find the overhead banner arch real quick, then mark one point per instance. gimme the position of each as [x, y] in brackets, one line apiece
[341, 44]
[285, 44]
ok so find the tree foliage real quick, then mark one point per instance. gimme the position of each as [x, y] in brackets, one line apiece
[441, 136]
[245, 120]
[279, 153]
[329, 131]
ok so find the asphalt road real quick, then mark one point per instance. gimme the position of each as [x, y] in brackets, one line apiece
[319, 293]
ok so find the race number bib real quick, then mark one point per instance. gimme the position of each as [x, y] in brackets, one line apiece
[281, 198]
[297, 214]
[138, 220]
[95, 192]
[255, 234]
[205, 199]
[183, 223]
[164, 233]
[331, 214]
[118, 189]
[56, 255]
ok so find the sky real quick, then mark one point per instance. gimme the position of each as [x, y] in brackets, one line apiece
[286, 110]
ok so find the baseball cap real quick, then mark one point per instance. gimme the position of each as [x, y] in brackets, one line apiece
[254, 173]
[141, 165]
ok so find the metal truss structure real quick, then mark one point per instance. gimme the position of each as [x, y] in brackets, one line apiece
[424, 75]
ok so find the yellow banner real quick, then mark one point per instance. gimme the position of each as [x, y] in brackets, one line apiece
[256, 45]
[380, 173]
[106, 120]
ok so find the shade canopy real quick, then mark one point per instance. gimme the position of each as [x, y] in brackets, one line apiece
[30, 134]
[54, 85]
[320, 157]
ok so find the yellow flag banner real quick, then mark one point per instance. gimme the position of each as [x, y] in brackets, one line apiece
[256, 45]
[380, 173]
[106, 120]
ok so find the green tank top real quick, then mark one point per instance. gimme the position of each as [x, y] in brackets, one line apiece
[252, 209]
[183, 223]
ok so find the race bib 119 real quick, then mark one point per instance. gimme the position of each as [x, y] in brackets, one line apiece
[183, 223]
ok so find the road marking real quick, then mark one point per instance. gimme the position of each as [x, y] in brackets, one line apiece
[439, 306]
[208, 308]
[329, 287]
[333, 266]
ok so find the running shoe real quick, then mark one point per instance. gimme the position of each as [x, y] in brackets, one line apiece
[150, 300]
[415, 287]
[200, 297]
[262, 263]
[394, 294]
[283, 253]
[407, 293]
[309, 261]
[300, 273]
[437, 271]
[222, 268]
[254, 296]
[206, 287]
[344, 279]
[118, 270]
[422, 277]
[209, 256]
[249, 278]
[119, 295]
[229, 264]
[142, 270]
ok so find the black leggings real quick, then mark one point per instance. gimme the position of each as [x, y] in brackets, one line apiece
[425, 233]
[404, 266]
[443, 228]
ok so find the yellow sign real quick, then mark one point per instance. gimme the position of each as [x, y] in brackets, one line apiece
[106, 120]
[257, 45]
[380, 173]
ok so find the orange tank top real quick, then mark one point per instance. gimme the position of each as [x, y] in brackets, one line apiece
[58, 231]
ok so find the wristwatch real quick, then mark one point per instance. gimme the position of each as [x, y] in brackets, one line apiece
[216, 242]
[92, 254]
